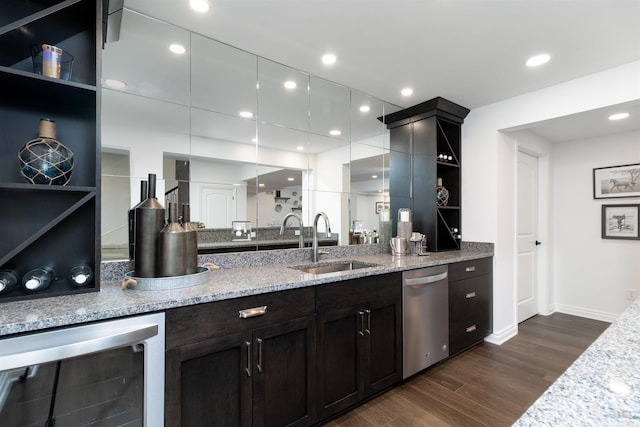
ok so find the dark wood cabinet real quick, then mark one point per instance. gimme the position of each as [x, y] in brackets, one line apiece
[425, 148]
[234, 371]
[359, 340]
[470, 307]
[54, 226]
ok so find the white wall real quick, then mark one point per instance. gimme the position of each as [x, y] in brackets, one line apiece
[489, 172]
[591, 274]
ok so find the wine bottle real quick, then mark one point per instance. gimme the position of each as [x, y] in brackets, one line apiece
[80, 275]
[38, 279]
[149, 219]
[172, 249]
[191, 241]
[8, 280]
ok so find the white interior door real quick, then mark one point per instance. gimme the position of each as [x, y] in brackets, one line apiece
[217, 206]
[527, 229]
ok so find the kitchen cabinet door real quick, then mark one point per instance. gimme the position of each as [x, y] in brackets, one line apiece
[283, 373]
[340, 360]
[211, 381]
[384, 341]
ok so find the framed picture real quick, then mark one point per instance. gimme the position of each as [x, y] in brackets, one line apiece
[382, 207]
[616, 181]
[620, 221]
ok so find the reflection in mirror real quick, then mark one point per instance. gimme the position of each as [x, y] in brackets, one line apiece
[178, 117]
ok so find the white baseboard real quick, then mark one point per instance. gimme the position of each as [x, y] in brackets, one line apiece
[503, 336]
[589, 314]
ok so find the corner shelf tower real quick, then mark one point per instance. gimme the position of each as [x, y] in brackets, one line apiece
[419, 135]
[42, 225]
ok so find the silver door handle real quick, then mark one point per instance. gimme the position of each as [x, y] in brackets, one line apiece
[259, 365]
[361, 331]
[470, 295]
[471, 328]
[422, 281]
[253, 312]
[470, 268]
[368, 330]
[248, 368]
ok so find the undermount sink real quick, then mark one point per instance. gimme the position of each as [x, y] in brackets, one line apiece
[334, 267]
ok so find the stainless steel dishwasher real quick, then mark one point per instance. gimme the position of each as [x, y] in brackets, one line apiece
[425, 318]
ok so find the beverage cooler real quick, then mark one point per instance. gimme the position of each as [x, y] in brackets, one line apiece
[108, 373]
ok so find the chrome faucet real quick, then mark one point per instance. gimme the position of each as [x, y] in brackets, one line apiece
[315, 232]
[284, 224]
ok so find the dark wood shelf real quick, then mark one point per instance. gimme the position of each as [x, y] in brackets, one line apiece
[42, 187]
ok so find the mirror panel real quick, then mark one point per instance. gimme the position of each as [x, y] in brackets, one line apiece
[141, 59]
[223, 78]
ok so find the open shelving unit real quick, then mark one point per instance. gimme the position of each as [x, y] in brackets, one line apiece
[419, 135]
[42, 225]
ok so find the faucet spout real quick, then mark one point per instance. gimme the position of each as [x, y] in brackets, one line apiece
[315, 232]
[284, 223]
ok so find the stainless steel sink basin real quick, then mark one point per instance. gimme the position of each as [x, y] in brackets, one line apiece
[334, 267]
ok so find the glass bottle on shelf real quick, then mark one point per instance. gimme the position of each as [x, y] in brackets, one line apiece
[81, 275]
[38, 279]
[442, 194]
[8, 280]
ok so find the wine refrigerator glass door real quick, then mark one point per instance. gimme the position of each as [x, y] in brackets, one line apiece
[102, 374]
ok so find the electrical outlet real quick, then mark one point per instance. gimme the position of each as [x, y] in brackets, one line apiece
[296, 232]
[631, 294]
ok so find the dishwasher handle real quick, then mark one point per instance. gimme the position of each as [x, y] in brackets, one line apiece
[419, 282]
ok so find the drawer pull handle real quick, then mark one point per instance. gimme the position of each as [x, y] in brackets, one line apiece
[470, 295]
[471, 328]
[253, 312]
[470, 268]
[259, 365]
[248, 368]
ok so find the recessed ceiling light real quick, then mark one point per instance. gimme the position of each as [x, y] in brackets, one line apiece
[299, 148]
[407, 91]
[177, 48]
[618, 116]
[199, 5]
[115, 84]
[291, 178]
[261, 184]
[374, 176]
[365, 108]
[245, 114]
[290, 84]
[335, 132]
[537, 60]
[329, 58]
[254, 139]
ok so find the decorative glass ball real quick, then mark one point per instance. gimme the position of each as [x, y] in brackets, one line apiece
[46, 161]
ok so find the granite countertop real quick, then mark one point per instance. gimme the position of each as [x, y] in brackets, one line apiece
[602, 387]
[234, 280]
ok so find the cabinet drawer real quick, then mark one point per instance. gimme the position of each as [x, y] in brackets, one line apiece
[360, 291]
[471, 268]
[469, 295]
[467, 331]
[186, 325]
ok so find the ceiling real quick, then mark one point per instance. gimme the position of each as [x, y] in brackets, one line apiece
[471, 52]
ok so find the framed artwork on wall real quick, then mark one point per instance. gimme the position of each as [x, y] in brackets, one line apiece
[616, 181]
[620, 222]
[382, 207]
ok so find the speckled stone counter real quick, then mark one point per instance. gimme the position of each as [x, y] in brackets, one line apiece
[242, 274]
[602, 387]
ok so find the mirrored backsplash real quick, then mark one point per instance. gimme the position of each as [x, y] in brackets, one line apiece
[239, 138]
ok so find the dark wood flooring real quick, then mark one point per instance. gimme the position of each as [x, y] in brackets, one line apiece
[489, 385]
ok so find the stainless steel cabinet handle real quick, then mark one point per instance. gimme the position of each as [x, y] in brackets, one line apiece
[470, 295]
[361, 331]
[368, 330]
[259, 365]
[471, 328]
[248, 368]
[470, 268]
[253, 312]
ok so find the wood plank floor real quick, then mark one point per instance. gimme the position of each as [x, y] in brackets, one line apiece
[488, 385]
